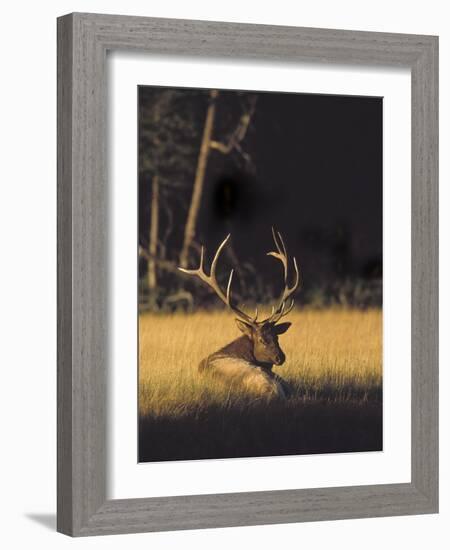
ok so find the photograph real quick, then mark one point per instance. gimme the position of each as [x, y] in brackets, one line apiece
[260, 265]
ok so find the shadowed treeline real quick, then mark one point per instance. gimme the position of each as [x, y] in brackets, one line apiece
[214, 162]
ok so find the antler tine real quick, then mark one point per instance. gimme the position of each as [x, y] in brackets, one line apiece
[202, 255]
[289, 290]
[279, 313]
[297, 275]
[256, 314]
[216, 257]
[289, 309]
[283, 312]
[279, 239]
[281, 254]
[243, 316]
[211, 281]
[199, 271]
[282, 243]
[230, 278]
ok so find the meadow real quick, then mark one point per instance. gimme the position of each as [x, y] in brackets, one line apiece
[333, 362]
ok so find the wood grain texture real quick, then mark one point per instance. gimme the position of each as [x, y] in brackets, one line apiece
[64, 253]
[424, 280]
[83, 40]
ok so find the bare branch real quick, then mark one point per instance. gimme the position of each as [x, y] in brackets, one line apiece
[237, 136]
[165, 265]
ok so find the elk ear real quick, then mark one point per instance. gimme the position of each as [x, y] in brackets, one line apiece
[281, 329]
[244, 327]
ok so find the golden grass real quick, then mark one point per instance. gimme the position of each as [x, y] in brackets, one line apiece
[333, 354]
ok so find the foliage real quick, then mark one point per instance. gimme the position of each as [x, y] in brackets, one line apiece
[182, 294]
[168, 133]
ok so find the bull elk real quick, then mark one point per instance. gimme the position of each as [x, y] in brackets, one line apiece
[246, 363]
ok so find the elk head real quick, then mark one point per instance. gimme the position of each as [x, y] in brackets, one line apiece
[262, 333]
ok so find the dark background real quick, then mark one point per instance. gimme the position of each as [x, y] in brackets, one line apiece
[309, 165]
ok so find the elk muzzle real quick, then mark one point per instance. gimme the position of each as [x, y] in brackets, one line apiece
[280, 358]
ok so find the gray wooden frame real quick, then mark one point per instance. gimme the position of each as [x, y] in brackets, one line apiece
[83, 40]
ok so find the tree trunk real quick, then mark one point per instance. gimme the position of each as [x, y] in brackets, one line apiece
[153, 237]
[189, 231]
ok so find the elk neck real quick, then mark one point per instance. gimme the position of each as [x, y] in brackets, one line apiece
[242, 348]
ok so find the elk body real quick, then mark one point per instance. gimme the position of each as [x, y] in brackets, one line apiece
[245, 364]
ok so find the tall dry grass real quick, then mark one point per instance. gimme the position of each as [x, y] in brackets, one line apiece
[331, 354]
[333, 363]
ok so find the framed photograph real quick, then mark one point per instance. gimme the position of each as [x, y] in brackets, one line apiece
[247, 274]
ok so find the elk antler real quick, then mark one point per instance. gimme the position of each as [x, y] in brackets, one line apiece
[211, 281]
[281, 255]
